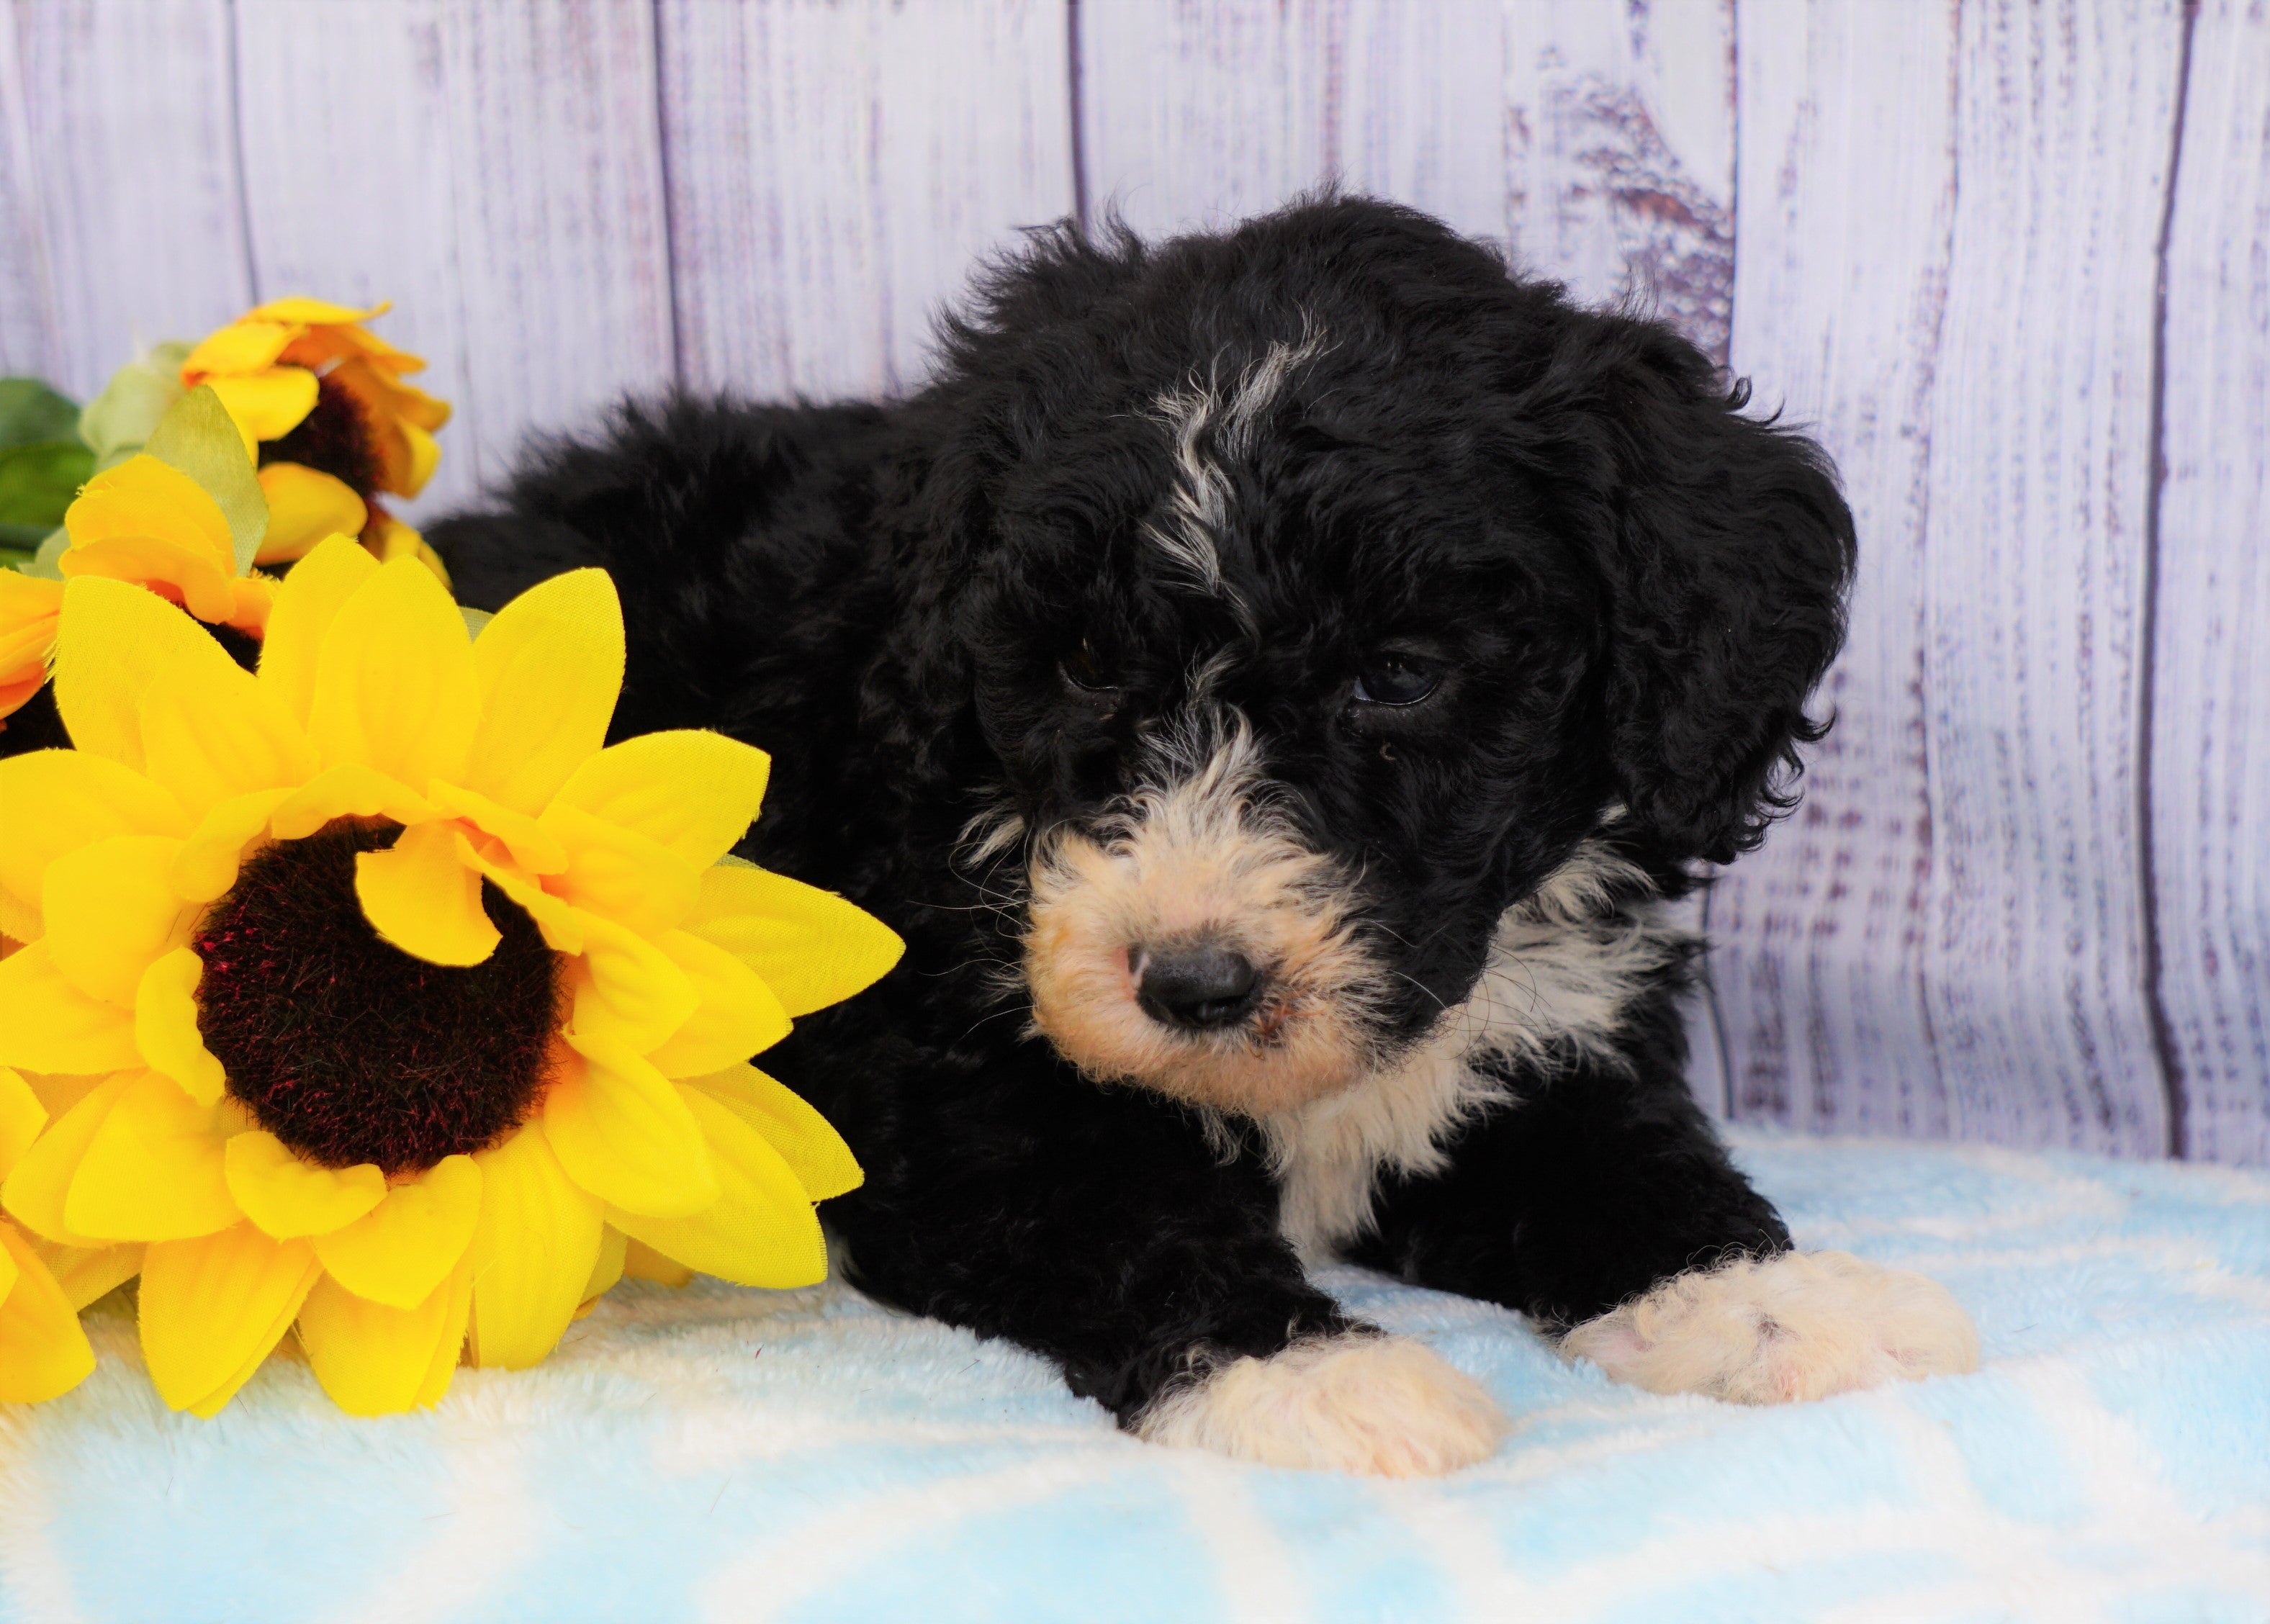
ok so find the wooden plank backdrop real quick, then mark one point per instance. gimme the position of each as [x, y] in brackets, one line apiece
[2010, 260]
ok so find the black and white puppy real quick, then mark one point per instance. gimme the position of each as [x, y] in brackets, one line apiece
[1273, 680]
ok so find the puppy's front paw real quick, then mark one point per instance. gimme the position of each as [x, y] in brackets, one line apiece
[1358, 1403]
[1800, 1325]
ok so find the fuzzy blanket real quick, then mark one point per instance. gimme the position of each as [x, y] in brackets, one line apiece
[729, 1455]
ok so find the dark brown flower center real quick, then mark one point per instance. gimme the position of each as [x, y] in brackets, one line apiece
[349, 1049]
[335, 438]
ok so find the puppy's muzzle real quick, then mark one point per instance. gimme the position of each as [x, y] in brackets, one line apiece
[1197, 986]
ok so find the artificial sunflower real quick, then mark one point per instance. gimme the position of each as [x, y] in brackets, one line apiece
[322, 404]
[183, 516]
[43, 1353]
[408, 1005]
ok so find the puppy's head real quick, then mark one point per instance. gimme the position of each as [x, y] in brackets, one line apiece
[1316, 592]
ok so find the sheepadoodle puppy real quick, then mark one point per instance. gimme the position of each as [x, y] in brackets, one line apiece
[1274, 681]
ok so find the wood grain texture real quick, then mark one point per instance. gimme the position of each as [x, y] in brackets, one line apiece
[1201, 114]
[128, 113]
[1849, 165]
[350, 182]
[836, 171]
[30, 329]
[2038, 487]
[562, 221]
[2211, 684]
[1622, 153]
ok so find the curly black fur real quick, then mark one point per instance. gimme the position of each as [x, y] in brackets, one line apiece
[959, 607]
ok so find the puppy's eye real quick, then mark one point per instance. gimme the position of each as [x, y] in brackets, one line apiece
[1396, 679]
[1084, 672]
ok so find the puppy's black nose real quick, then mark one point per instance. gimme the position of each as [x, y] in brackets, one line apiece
[1199, 989]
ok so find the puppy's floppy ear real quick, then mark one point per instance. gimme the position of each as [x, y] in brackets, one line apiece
[1728, 554]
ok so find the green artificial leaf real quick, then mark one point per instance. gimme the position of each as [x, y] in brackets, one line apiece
[197, 436]
[31, 413]
[117, 421]
[48, 561]
[477, 620]
[14, 558]
[37, 482]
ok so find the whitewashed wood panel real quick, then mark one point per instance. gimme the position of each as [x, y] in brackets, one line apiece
[837, 169]
[350, 178]
[1848, 161]
[28, 322]
[128, 116]
[1622, 152]
[1197, 114]
[2038, 485]
[561, 218]
[2211, 685]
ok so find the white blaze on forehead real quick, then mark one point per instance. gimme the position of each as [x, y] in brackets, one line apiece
[1205, 427]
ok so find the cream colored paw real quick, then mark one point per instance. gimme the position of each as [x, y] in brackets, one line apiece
[1801, 1325]
[1375, 1404]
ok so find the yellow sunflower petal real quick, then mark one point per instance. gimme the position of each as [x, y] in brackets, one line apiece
[347, 791]
[211, 733]
[117, 642]
[304, 506]
[246, 345]
[525, 839]
[53, 802]
[21, 1118]
[303, 311]
[154, 1170]
[807, 1141]
[608, 1271]
[641, 1262]
[202, 588]
[19, 921]
[207, 864]
[166, 1032]
[813, 947]
[696, 793]
[761, 1230]
[111, 913]
[371, 1358]
[306, 605]
[420, 897]
[43, 1351]
[267, 405]
[627, 990]
[60, 1093]
[421, 455]
[534, 1253]
[738, 1015]
[405, 1247]
[144, 499]
[551, 666]
[214, 1307]
[624, 1133]
[47, 1024]
[255, 602]
[562, 926]
[86, 1274]
[620, 871]
[450, 1346]
[37, 1186]
[395, 688]
[289, 1198]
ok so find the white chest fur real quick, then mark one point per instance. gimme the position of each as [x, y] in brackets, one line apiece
[1563, 965]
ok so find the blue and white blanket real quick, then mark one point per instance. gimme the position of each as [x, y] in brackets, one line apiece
[729, 1455]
